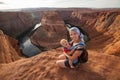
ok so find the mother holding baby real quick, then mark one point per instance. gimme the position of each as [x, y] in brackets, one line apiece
[77, 54]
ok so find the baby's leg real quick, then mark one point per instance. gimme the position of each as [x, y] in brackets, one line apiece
[71, 65]
[62, 56]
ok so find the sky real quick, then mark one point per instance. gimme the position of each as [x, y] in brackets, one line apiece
[15, 4]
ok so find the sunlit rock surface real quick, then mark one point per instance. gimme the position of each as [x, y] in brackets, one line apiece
[103, 27]
[52, 30]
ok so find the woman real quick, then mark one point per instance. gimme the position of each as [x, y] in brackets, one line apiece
[77, 45]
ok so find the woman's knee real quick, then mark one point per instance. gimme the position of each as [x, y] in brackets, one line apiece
[62, 56]
[61, 63]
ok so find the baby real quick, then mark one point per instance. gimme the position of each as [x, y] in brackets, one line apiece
[67, 50]
[66, 46]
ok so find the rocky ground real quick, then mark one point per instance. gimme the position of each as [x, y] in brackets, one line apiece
[42, 67]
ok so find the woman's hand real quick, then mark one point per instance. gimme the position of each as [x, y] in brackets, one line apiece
[77, 52]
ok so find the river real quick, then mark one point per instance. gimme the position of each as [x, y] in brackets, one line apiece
[27, 48]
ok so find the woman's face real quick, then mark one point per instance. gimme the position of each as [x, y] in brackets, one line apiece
[74, 35]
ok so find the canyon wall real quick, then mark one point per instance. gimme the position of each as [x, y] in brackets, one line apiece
[15, 23]
[103, 27]
[9, 50]
[53, 29]
[99, 24]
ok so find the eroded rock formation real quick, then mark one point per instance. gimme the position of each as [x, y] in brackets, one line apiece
[102, 27]
[51, 32]
[9, 50]
[15, 23]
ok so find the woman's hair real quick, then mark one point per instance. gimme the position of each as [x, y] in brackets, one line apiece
[78, 31]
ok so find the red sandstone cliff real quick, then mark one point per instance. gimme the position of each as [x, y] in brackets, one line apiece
[103, 28]
[51, 32]
[15, 23]
[9, 50]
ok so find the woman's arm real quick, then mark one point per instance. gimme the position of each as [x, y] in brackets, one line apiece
[76, 54]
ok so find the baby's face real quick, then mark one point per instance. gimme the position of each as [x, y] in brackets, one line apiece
[65, 44]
